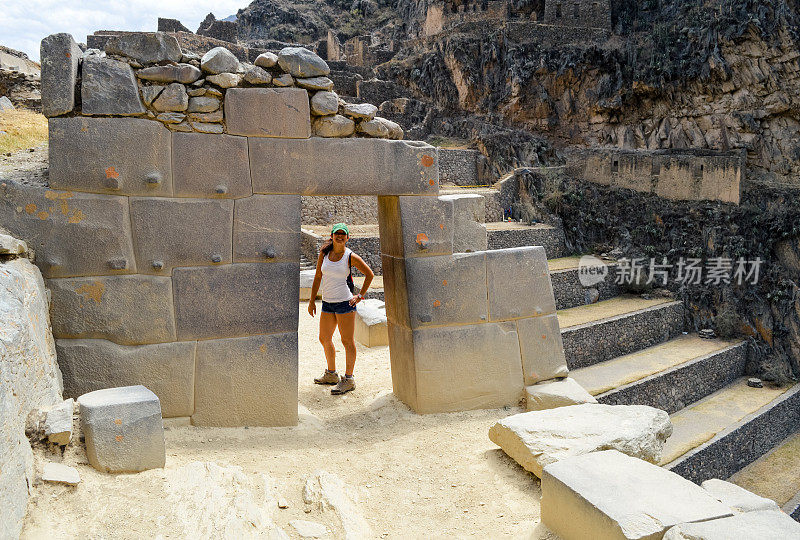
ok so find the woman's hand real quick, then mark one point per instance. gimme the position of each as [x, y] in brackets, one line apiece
[312, 307]
[356, 299]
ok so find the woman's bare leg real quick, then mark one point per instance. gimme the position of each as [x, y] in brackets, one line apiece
[347, 327]
[327, 325]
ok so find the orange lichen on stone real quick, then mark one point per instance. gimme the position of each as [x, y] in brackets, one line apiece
[111, 172]
[422, 238]
[119, 438]
[92, 291]
[42, 215]
[436, 303]
[76, 217]
[427, 160]
[30, 208]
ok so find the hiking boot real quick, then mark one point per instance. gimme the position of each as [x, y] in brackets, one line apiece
[344, 385]
[328, 378]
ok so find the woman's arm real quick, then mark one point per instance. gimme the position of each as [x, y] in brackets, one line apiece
[364, 268]
[312, 301]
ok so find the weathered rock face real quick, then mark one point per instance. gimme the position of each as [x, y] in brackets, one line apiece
[536, 439]
[29, 378]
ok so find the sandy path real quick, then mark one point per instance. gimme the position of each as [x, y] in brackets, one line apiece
[432, 476]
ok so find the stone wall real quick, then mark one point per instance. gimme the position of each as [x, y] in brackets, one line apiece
[29, 375]
[678, 175]
[458, 166]
[578, 13]
[330, 210]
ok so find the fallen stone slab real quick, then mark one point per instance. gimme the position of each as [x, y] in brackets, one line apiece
[328, 491]
[538, 438]
[58, 473]
[762, 525]
[58, 423]
[371, 325]
[737, 498]
[123, 429]
[608, 495]
[556, 393]
[309, 529]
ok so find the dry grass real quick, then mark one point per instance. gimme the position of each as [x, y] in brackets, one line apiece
[23, 129]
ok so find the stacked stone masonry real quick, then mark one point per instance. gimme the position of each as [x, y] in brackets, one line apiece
[173, 257]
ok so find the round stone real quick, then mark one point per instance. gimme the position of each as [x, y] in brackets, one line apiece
[266, 60]
[300, 62]
[219, 60]
[333, 126]
[324, 103]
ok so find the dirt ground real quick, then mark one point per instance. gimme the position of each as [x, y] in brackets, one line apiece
[431, 476]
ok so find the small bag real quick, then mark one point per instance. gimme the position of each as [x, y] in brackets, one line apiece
[350, 284]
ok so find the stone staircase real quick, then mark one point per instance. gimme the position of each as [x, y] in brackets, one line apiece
[631, 350]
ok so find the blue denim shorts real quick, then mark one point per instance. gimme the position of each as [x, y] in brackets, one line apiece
[340, 308]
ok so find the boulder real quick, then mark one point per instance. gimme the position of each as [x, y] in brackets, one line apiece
[59, 473]
[266, 60]
[333, 126]
[762, 525]
[109, 87]
[324, 103]
[256, 75]
[556, 393]
[300, 62]
[395, 131]
[608, 495]
[172, 99]
[536, 439]
[374, 128]
[737, 498]
[219, 60]
[182, 73]
[315, 83]
[12, 246]
[5, 104]
[58, 423]
[359, 111]
[123, 429]
[145, 47]
[283, 80]
[60, 57]
[225, 80]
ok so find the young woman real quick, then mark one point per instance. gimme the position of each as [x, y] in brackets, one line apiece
[338, 305]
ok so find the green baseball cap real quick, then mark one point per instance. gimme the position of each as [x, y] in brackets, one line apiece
[340, 227]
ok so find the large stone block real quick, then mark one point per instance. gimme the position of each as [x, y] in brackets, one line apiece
[266, 228]
[60, 57]
[129, 310]
[469, 216]
[167, 232]
[608, 495]
[415, 226]
[446, 290]
[395, 289]
[123, 429]
[236, 300]
[464, 367]
[74, 234]
[268, 112]
[760, 525]
[519, 283]
[165, 368]
[371, 328]
[109, 87]
[145, 47]
[210, 166]
[541, 348]
[124, 156]
[556, 393]
[249, 381]
[356, 166]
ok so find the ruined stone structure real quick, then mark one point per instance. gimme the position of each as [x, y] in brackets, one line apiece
[677, 174]
[578, 13]
[173, 256]
[356, 51]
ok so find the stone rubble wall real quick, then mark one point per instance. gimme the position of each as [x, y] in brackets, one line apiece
[677, 175]
[458, 166]
[330, 210]
[29, 379]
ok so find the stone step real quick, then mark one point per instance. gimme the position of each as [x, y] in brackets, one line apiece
[622, 325]
[509, 234]
[729, 429]
[776, 475]
[567, 287]
[668, 376]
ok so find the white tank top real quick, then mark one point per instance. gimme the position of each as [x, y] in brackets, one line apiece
[334, 279]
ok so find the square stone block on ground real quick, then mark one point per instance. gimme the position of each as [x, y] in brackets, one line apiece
[167, 369]
[74, 234]
[519, 283]
[446, 290]
[605, 495]
[236, 300]
[466, 367]
[541, 348]
[371, 325]
[122, 156]
[266, 228]
[469, 216]
[248, 381]
[123, 429]
[350, 166]
[60, 57]
[128, 310]
[169, 232]
[268, 112]
[206, 165]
